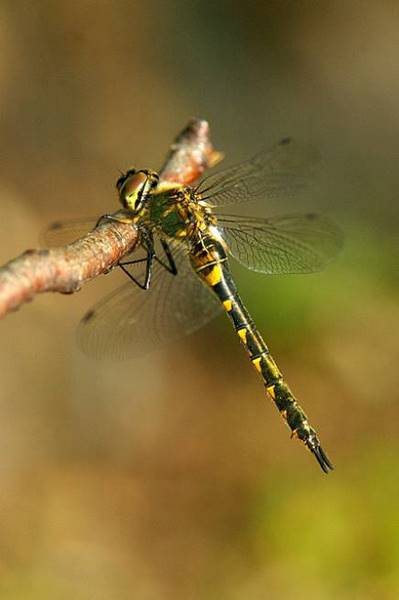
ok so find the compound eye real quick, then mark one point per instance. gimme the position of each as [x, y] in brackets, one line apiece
[131, 190]
[120, 181]
[124, 177]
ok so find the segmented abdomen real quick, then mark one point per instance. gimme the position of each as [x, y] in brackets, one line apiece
[209, 260]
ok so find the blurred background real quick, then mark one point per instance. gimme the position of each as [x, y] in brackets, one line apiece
[170, 476]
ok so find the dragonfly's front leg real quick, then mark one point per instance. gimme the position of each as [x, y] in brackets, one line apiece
[120, 217]
[146, 241]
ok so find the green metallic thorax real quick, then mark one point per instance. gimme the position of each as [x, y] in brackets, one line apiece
[176, 213]
[165, 215]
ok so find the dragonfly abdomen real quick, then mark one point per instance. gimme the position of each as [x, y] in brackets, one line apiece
[209, 260]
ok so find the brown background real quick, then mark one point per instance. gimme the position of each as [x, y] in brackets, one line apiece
[169, 476]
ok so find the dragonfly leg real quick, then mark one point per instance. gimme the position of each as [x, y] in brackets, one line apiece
[171, 267]
[149, 246]
[132, 262]
[148, 272]
[103, 218]
[118, 217]
[147, 243]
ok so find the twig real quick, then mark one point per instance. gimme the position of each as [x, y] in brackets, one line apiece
[67, 268]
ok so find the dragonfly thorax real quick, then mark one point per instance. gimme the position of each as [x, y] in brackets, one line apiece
[175, 212]
[134, 186]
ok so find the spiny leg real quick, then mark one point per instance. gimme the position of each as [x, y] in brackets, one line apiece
[149, 247]
[147, 243]
[148, 271]
[119, 217]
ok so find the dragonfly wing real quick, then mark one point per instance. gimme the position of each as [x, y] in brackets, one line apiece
[277, 173]
[62, 233]
[130, 322]
[290, 244]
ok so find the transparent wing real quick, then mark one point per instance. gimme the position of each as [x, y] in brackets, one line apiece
[130, 322]
[280, 172]
[290, 244]
[62, 233]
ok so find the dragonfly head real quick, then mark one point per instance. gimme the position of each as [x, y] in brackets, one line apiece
[134, 186]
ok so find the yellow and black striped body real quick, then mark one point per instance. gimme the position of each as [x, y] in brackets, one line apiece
[209, 260]
[177, 213]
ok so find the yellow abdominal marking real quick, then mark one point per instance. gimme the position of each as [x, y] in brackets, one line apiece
[243, 334]
[256, 363]
[214, 276]
[228, 305]
[270, 391]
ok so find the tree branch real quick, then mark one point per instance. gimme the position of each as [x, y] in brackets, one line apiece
[67, 268]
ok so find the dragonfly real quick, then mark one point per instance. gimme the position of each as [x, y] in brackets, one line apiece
[180, 277]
